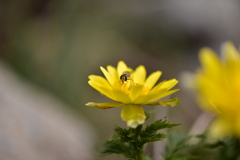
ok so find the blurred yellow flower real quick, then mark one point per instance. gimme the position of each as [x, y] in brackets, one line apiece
[218, 86]
[131, 89]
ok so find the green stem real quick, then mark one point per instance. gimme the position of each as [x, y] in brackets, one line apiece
[137, 148]
[139, 153]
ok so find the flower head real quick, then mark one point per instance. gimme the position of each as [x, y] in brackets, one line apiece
[218, 86]
[131, 89]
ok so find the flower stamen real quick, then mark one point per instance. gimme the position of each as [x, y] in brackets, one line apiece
[127, 85]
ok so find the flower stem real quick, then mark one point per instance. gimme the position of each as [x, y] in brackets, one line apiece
[136, 145]
[139, 153]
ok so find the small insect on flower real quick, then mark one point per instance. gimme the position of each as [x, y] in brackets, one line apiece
[126, 75]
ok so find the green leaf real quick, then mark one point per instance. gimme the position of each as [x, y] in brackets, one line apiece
[229, 149]
[177, 147]
[157, 125]
[121, 134]
[153, 138]
[113, 147]
[129, 143]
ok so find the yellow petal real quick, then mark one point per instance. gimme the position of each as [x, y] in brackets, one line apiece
[152, 79]
[112, 70]
[142, 99]
[157, 87]
[115, 76]
[104, 105]
[169, 84]
[135, 91]
[231, 62]
[171, 102]
[121, 67]
[109, 77]
[164, 85]
[209, 60]
[121, 96]
[229, 52]
[207, 105]
[133, 114]
[100, 81]
[139, 75]
[161, 95]
[161, 90]
[104, 90]
[220, 128]
[158, 92]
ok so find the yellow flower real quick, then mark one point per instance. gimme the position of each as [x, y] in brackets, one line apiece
[218, 86]
[131, 89]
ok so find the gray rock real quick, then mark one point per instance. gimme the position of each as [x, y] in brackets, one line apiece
[36, 126]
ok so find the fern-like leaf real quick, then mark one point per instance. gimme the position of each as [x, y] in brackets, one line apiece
[113, 147]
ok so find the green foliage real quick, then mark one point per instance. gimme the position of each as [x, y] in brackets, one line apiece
[228, 149]
[183, 147]
[129, 143]
[225, 149]
[114, 147]
[177, 147]
[149, 134]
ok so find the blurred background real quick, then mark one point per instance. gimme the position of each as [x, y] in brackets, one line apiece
[48, 48]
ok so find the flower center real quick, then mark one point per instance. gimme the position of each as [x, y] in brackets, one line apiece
[126, 85]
